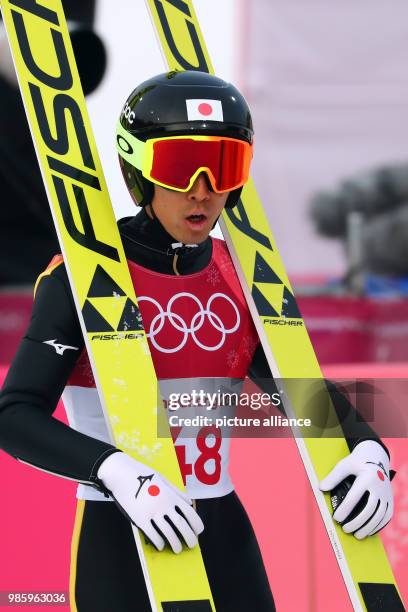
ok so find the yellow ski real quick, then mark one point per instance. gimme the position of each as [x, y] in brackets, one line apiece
[364, 564]
[98, 273]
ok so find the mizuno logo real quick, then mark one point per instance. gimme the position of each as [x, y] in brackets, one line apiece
[60, 348]
[380, 465]
[143, 480]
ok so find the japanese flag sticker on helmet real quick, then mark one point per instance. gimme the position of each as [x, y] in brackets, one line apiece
[210, 110]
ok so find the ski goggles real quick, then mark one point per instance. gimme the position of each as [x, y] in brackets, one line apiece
[175, 162]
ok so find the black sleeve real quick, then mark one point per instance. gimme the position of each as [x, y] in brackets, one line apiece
[35, 382]
[350, 419]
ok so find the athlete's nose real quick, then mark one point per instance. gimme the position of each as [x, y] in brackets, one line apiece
[200, 190]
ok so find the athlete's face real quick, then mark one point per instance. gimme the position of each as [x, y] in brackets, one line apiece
[190, 216]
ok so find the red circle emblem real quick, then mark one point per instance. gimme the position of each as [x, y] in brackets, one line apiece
[205, 109]
[153, 490]
[380, 475]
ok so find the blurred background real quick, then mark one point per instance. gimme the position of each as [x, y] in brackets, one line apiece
[328, 88]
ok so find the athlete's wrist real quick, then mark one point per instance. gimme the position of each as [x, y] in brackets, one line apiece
[371, 448]
[110, 467]
[376, 441]
[95, 476]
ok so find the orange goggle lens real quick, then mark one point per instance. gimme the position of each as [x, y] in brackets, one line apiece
[176, 162]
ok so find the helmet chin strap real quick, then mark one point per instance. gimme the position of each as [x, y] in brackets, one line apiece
[149, 207]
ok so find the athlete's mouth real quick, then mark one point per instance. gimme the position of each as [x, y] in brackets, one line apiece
[196, 218]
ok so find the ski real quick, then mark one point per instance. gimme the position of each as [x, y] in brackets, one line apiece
[364, 564]
[99, 276]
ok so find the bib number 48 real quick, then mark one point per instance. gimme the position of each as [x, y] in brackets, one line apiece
[208, 443]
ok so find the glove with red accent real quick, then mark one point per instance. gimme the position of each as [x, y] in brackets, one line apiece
[361, 491]
[151, 502]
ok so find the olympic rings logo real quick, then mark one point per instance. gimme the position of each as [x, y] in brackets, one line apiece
[197, 321]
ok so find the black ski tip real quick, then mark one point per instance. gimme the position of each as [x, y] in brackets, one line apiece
[196, 605]
[380, 597]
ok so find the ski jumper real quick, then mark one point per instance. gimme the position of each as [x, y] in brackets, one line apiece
[105, 571]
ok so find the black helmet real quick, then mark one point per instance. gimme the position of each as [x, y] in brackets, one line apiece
[157, 108]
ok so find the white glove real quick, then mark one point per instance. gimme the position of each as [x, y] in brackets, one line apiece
[151, 502]
[370, 464]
